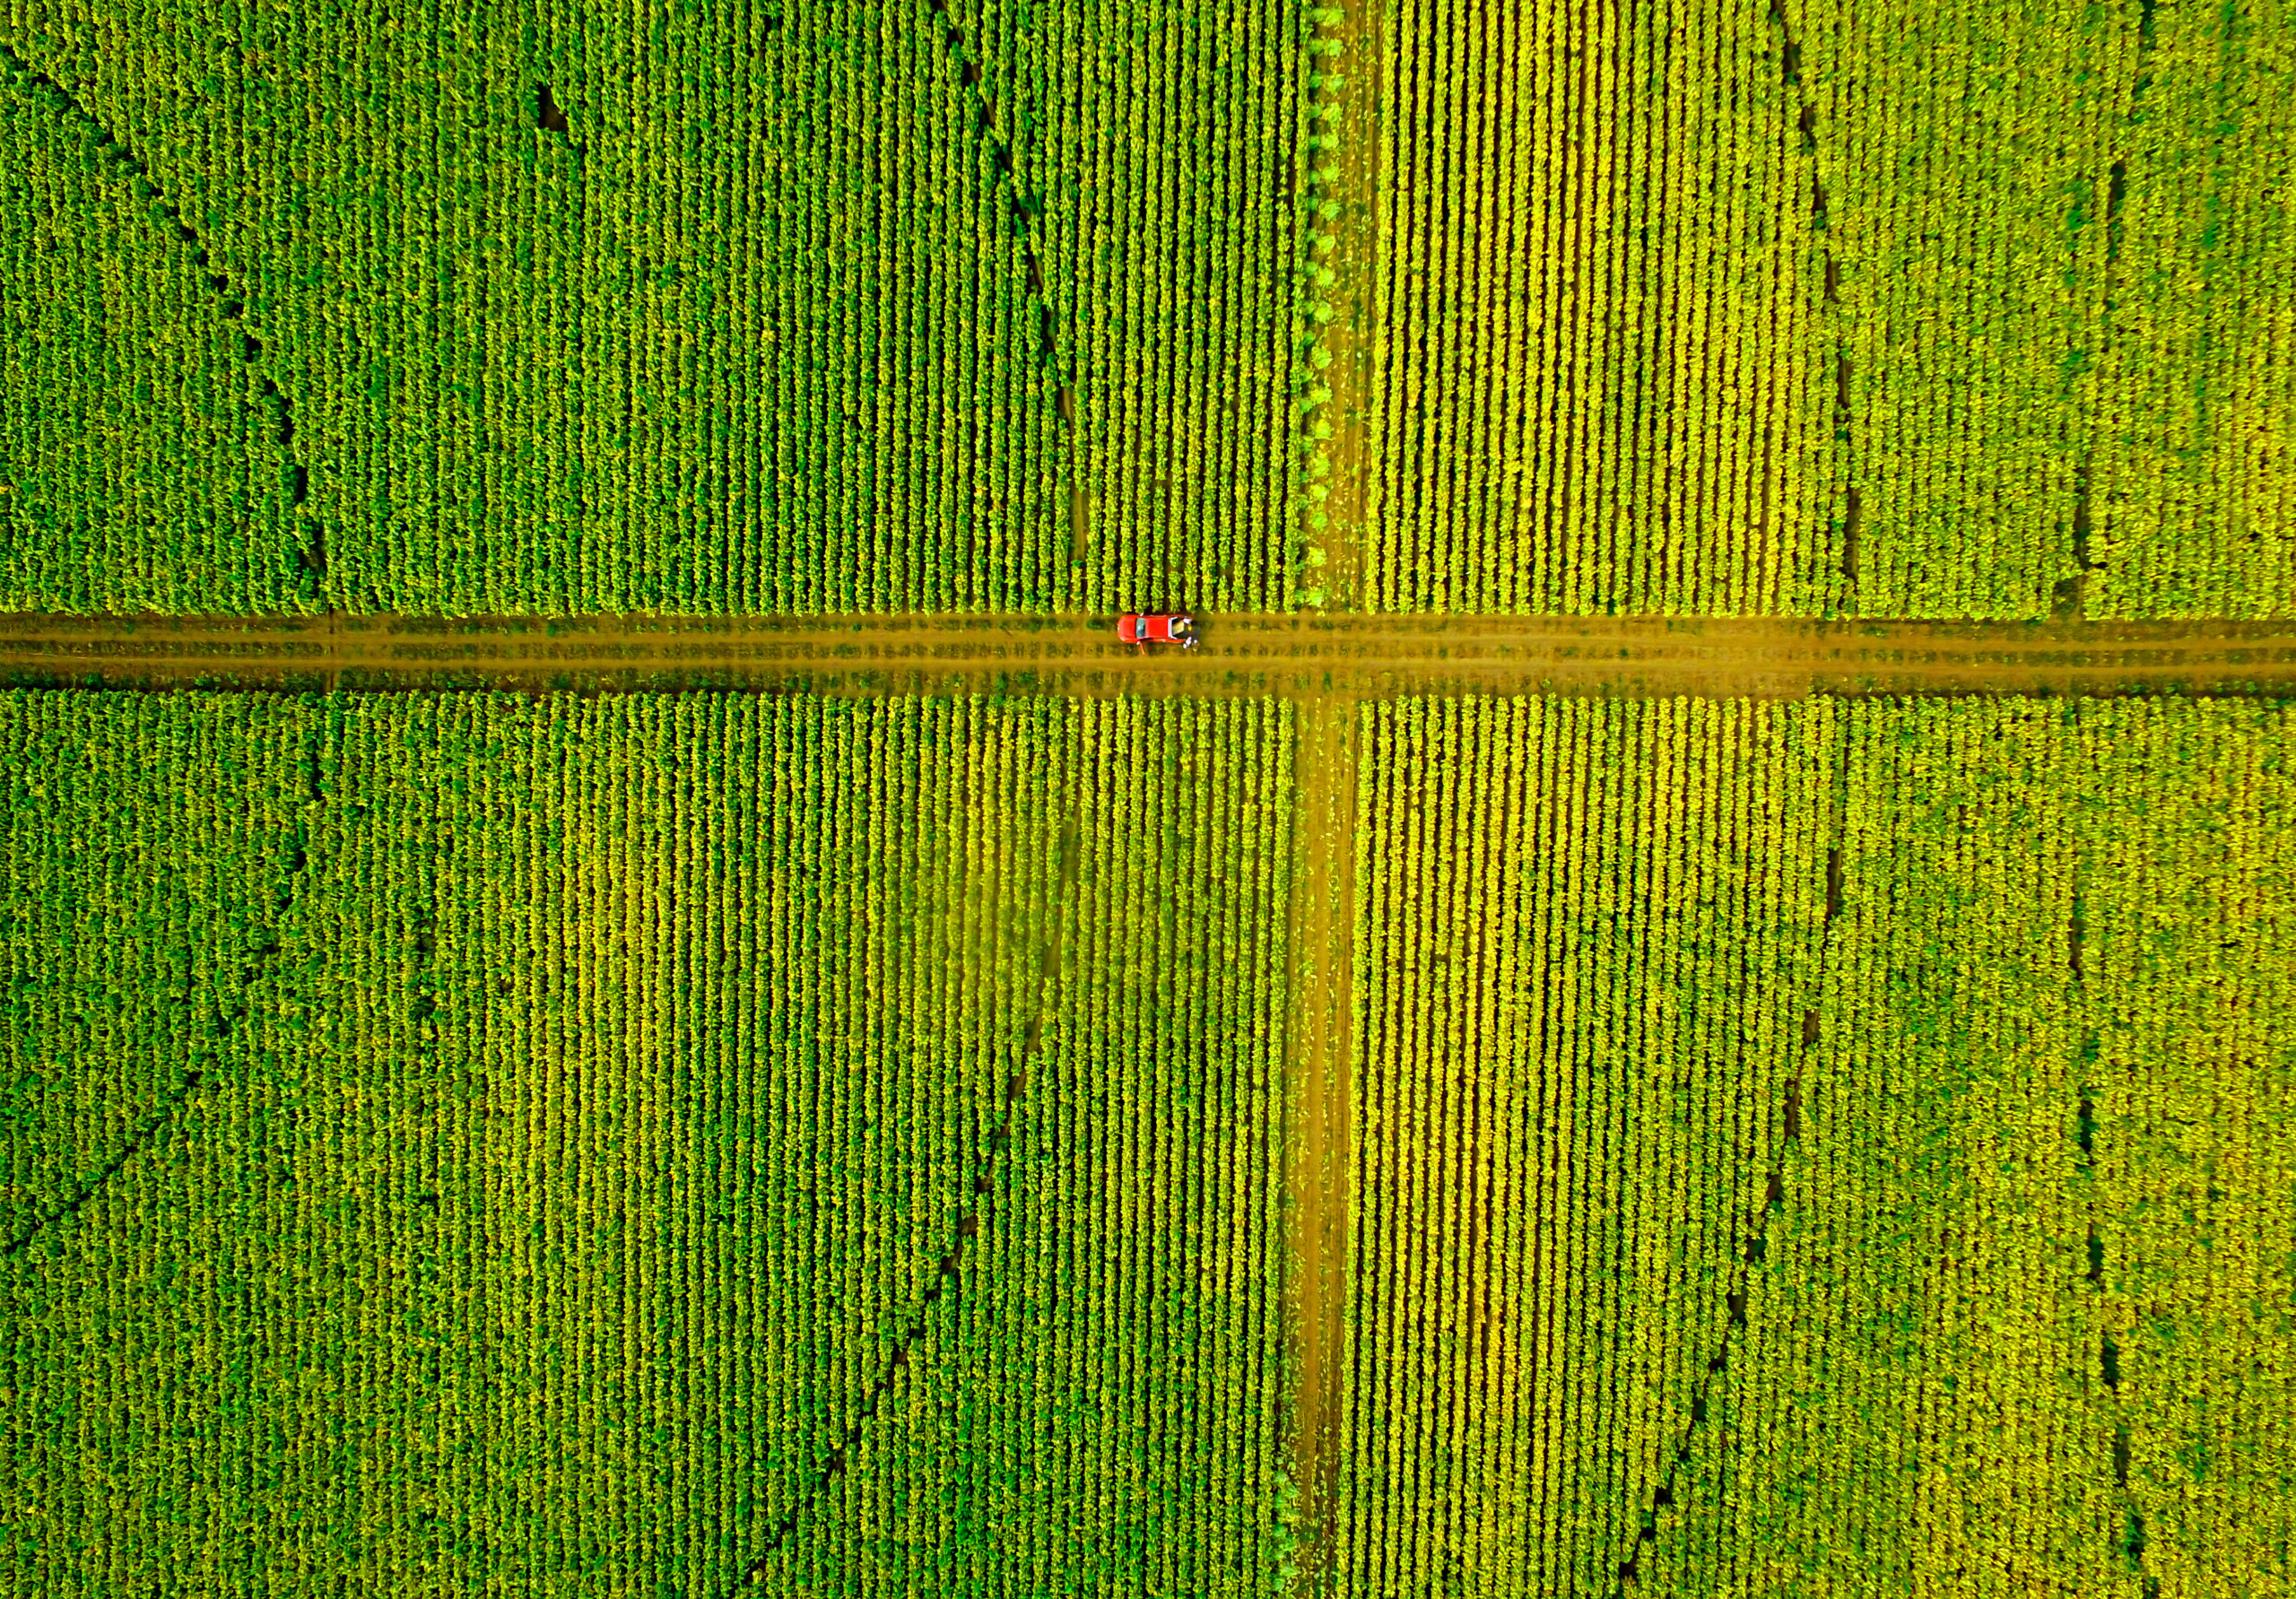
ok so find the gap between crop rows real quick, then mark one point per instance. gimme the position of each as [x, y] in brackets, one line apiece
[161, 1118]
[1756, 1249]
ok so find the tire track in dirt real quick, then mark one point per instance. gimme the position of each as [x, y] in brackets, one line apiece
[1048, 974]
[1295, 656]
[114, 153]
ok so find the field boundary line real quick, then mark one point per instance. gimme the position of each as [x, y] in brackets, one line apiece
[114, 152]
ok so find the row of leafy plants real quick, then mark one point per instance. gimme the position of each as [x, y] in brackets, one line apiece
[1832, 309]
[606, 1108]
[817, 307]
[1582, 931]
[1098, 1405]
[1818, 1144]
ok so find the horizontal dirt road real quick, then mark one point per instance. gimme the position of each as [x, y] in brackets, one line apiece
[1349, 654]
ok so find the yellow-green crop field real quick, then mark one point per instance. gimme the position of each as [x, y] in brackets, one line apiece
[1799, 1147]
[1854, 307]
[613, 986]
[1841, 1149]
[547, 1128]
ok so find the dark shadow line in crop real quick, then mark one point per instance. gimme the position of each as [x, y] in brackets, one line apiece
[152, 1126]
[2069, 598]
[2135, 1534]
[1756, 1249]
[1757, 1246]
[1026, 209]
[155, 1125]
[2132, 1536]
[311, 557]
[944, 1279]
[1805, 125]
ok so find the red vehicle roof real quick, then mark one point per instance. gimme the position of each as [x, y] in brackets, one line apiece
[1152, 627]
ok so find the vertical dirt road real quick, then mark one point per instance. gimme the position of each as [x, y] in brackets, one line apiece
[1317, 1125]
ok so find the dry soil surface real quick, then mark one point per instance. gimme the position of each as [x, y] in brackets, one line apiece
[1317, 1110]
[1353, 655]
[1326, 663]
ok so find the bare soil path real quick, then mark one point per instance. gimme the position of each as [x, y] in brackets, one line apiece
[1321, 1086]
[1298, 656]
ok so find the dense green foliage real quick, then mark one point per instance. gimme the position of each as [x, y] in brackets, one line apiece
[837, 1147]
[1834, 308]
[2025, 1323]
[1585, 932]
[1100, 1411]
[141, 466]
[757, 330]
[716, 1144]
[1823, 1149]
[1024, 305]
[1160, 141]
[545, 1128]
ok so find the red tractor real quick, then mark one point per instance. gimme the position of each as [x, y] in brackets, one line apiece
[1162, 627]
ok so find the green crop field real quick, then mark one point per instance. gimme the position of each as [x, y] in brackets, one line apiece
[1859, 309]
[698, 1136]
[1831, 1150]
[613, 986]
[773, 322]
[1866, 308]
[551, 1132]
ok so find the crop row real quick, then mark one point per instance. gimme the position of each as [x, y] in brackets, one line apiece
[137, 454]
[2067, 352]
[2005, 1340]
[1100, 1408]
[749, 317]
[1592, 383]
[1830, 310]
[1580, 929]
[1821, 1145]
[1160, 141]
[591, 1095]
[751, 334]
